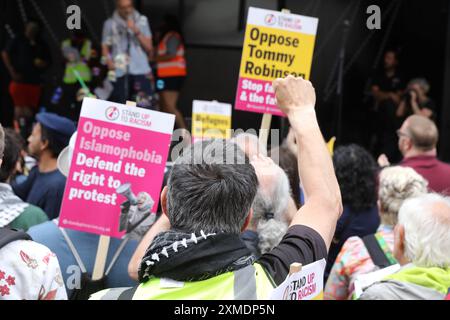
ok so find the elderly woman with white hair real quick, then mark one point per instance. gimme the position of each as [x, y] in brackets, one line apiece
[357, 255]
[273, 207]
[271, 211]
[422, 248]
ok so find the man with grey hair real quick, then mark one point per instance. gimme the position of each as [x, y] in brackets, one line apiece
[194, 250]
[271, 218]
[422, 248]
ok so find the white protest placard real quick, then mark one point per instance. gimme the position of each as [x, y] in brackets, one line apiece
[307, 284]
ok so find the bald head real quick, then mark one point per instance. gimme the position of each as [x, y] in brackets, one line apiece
[422, 132]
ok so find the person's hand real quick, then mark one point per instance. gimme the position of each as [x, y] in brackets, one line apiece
[383, 161]
[132, 26]
[81, 94]
[294, 94]
[145, 201]
[110, 64]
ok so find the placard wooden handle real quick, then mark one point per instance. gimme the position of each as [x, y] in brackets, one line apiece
[267, 118]
[100, 258]
[103, 244]
[295, 267]
[265, 127]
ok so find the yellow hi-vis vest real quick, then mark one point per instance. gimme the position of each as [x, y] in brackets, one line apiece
[249, 283]
[83, 71]
[80, 66]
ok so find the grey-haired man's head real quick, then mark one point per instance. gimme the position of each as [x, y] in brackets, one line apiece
[211, 187]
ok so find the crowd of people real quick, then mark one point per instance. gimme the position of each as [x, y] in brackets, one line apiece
[131, 63]
[233, 216]
[231, 223]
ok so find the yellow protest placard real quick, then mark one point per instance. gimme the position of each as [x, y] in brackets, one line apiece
[276, 44]
[210, 120]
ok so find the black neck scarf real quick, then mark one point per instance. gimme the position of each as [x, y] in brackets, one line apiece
[189, 257]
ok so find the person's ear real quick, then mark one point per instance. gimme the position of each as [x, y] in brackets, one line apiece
[409, 144]
[164, 201]
[379, 206]
[399, 244]
[247, 220]
[44, 145]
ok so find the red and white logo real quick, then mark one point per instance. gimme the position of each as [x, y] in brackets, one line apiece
[270, 19]
[112, 113]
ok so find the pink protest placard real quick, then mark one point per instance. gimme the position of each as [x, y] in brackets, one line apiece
[116, 144]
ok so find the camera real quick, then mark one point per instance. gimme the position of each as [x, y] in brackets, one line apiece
[407, 96]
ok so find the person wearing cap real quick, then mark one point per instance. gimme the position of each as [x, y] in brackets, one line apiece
[44, 186]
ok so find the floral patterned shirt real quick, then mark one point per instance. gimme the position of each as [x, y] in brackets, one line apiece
[353, 260]
[30, 271]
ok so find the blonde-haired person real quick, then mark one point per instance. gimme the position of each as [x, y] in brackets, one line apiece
[396, 185]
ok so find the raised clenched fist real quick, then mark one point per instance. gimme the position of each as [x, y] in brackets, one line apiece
[294, 94]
